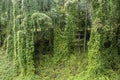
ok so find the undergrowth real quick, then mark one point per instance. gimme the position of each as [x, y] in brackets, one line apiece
[73, 69]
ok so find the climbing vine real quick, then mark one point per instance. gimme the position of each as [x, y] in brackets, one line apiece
[39, 34]
[101, 45]
[9, 47]
[21, 51]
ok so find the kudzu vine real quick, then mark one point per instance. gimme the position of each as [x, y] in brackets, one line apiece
[102, 41]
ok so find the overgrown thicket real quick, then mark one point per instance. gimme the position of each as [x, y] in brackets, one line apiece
[31, 30]
[103, 41]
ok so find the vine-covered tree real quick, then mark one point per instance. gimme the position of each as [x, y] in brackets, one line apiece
[103, 43]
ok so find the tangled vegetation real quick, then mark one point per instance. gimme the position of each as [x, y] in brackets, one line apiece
[59, 40]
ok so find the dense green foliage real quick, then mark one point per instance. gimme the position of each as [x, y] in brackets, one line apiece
[59, 40]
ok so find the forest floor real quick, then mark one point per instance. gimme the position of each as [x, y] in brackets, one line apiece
[66, 70]
[71, 69]
[6, 67]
